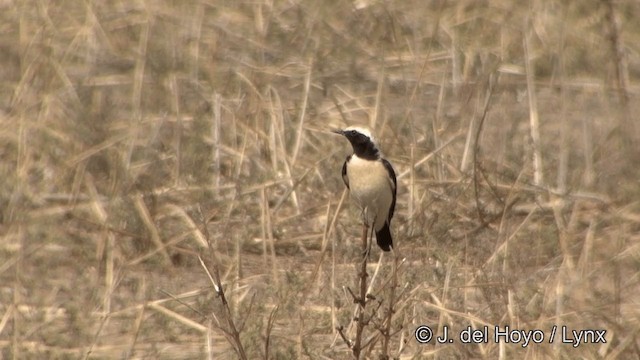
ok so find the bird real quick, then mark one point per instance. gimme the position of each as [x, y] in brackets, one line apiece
[371, 182]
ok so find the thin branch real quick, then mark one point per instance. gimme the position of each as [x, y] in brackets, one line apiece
[270, 323]
[362, 299]
[214, 277]
[534, 123]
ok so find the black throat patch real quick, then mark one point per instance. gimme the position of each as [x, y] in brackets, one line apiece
[366, 150]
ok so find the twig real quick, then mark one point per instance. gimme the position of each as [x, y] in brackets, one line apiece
[429, 156]
[270, 324]
[303, 112]
[362, 299]
[137, 326]
[340, 330]
[177, 317]
[214, 277]
[267, 235]
[534, 123]
[154, 233]
[215, 135]
[617, 52]
[485, 110]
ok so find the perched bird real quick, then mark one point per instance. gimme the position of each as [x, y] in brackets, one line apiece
[371, 182]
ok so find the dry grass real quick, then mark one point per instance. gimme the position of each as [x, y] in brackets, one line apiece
[136, 137]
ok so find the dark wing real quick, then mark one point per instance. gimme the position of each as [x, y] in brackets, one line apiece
[345, 178]
[392, 176]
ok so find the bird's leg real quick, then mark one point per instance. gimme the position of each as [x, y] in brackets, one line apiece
[370, 241]
[365, 234]
[369, 236]
[366, 245]
[363, 214]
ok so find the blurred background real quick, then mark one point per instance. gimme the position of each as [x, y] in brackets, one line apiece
[137, 136]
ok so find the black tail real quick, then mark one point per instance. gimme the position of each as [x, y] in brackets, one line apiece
[383, 237]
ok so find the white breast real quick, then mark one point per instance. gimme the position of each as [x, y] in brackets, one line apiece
[371, 189]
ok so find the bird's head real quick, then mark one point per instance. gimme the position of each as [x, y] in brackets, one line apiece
[361, 140]
[356, 135]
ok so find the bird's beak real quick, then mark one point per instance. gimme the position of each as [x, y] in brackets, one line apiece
[337, 131]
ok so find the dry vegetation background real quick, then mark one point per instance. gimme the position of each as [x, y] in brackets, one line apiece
[126, 126]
